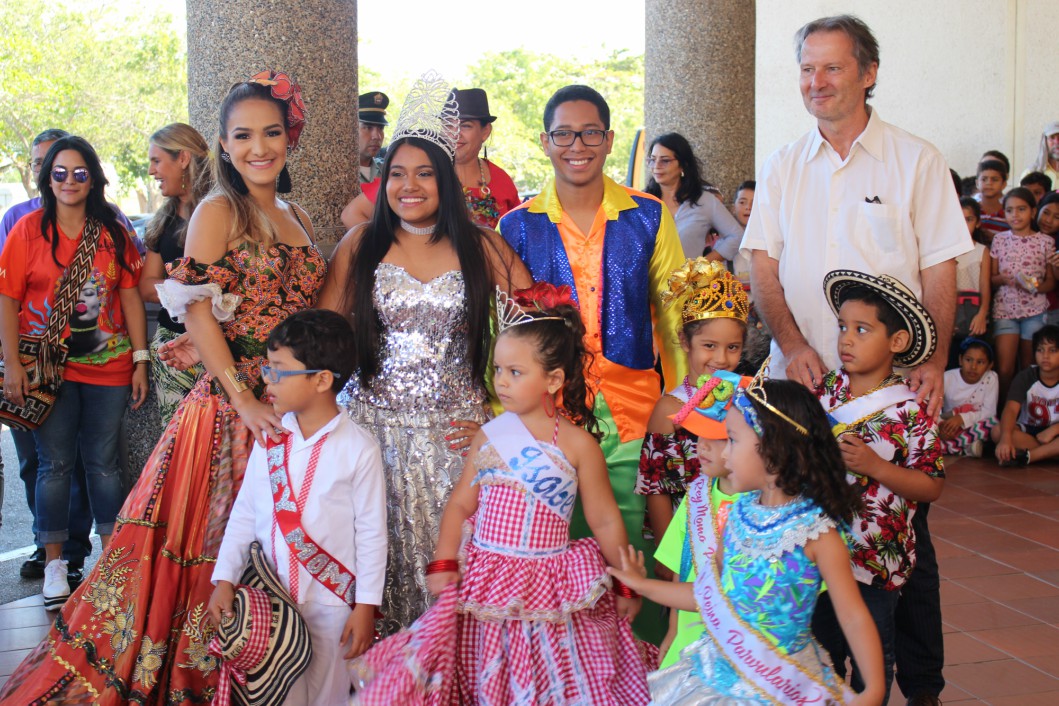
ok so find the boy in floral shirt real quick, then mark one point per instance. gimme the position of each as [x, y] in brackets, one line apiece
[889, 443]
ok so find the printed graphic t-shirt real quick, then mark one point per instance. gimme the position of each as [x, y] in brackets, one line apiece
[99, 345]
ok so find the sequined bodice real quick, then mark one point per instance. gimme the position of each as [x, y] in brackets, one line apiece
[771, 582]
[423, 361]
[511, 520]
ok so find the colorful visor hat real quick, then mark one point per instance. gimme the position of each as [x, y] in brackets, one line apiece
[704, 413]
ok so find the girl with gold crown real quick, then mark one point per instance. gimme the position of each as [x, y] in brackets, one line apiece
[417, 282]
[713, 317]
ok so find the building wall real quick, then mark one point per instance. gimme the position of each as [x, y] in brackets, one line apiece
[965, 74]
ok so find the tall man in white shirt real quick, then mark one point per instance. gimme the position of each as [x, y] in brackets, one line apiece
[857, 193]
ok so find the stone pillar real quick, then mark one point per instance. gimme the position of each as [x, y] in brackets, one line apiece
[315, 41]
[699, 81]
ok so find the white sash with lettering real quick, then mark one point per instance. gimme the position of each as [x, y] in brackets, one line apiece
[526, 463]
[862, 408]
[773, 674]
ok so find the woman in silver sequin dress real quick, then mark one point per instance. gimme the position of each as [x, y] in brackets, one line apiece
[419, 279]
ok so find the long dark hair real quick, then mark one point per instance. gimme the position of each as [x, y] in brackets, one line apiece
[690, 188]
[453, 223]
[560, 345]
[96, 207]
[804, 464]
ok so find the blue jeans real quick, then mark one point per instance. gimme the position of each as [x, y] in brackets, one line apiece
[882, 605]
[85, 417]
[79, 546]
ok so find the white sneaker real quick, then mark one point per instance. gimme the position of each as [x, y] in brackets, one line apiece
[975, 449]
[56, 587]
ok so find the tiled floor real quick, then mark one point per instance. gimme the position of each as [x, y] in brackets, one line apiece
[997, 536]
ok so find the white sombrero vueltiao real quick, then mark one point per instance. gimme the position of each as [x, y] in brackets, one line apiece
[280, 647]
[923, 334]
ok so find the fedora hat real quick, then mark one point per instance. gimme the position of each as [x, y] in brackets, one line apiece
[472, 104]
[266, 638]
[922, 334]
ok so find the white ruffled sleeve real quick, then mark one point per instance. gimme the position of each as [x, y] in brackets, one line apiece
[176, 297]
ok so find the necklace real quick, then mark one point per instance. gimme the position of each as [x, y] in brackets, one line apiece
[426, 230]
[688, 389]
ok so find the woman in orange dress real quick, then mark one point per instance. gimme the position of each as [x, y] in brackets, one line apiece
[136, 631]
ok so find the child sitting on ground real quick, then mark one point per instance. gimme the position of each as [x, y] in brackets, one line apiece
[888, 442]
[971, 392]
[334, 470]
[1029, 425]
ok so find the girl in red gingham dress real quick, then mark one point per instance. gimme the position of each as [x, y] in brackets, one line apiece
[525, 615]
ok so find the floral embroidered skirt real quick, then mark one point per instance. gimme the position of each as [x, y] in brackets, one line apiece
[136, 630]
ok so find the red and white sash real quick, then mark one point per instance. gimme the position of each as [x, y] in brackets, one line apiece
[287, 516]
[775, 676]
[526, 463]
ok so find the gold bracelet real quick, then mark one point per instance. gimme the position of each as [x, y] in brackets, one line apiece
[238, 378]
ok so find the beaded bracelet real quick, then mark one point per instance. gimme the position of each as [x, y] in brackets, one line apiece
[623, 590]
[442, 565]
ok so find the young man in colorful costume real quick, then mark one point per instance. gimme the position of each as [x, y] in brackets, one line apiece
[615, 247]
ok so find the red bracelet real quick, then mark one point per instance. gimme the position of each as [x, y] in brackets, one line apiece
[623, 590]
[441, 565]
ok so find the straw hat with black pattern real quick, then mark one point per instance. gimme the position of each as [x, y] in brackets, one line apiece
[264, 647]
[922, 333]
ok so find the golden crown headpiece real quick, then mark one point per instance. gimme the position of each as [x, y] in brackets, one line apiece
[430, 113]
[709, 291]
[756, 391]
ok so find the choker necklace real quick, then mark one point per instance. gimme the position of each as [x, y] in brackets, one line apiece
[428, 230]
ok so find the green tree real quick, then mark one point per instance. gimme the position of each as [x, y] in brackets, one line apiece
[519, 83]
[113, 79]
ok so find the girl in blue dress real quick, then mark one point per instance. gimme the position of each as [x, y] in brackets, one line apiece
[757, 586]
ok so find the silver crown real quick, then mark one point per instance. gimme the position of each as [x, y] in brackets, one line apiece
[509, 313]
[430, 113]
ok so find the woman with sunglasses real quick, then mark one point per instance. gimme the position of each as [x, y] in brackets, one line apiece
[676, 179]
[106, 339]
[138, 630]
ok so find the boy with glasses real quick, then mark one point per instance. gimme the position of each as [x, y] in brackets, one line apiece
[615, 247]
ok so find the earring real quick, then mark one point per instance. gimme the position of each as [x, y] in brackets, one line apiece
[283, 184]
[226, 157]
[183, 182]
[548, 400]
[681, 173]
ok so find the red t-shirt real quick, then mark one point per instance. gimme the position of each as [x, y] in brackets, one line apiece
[100, 349]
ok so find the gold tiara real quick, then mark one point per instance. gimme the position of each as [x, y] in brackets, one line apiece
[709, 291]
[756, 391]
[509, 313]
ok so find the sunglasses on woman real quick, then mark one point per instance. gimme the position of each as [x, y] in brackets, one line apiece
[59, 174]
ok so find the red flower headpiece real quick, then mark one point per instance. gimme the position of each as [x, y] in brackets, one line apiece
[285, 89]
[544, 296]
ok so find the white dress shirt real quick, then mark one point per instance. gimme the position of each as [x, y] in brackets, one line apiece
[345, 511]
[812, 214]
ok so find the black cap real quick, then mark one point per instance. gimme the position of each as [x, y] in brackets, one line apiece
[372, 108]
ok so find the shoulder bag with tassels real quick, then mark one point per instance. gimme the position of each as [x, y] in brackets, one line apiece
[44, 356]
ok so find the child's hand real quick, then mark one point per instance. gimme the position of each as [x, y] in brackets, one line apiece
[857, 455]
[359, 630]
[950, 427]
[436, 583]
[1005, 451]
[628, 608]
[979, 323]
[1053, 259]
[632, 571]
[220, 605]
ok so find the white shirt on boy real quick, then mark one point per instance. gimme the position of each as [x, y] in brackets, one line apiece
[345, 511]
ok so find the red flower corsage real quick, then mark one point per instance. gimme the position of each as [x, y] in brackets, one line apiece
[285, 89]
[545, 296]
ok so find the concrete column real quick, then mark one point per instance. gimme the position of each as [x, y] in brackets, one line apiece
[315, 41]
[699, 81]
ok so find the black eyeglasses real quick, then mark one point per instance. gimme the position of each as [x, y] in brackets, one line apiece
[589, 138]
[59, 174]
[273, 376]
